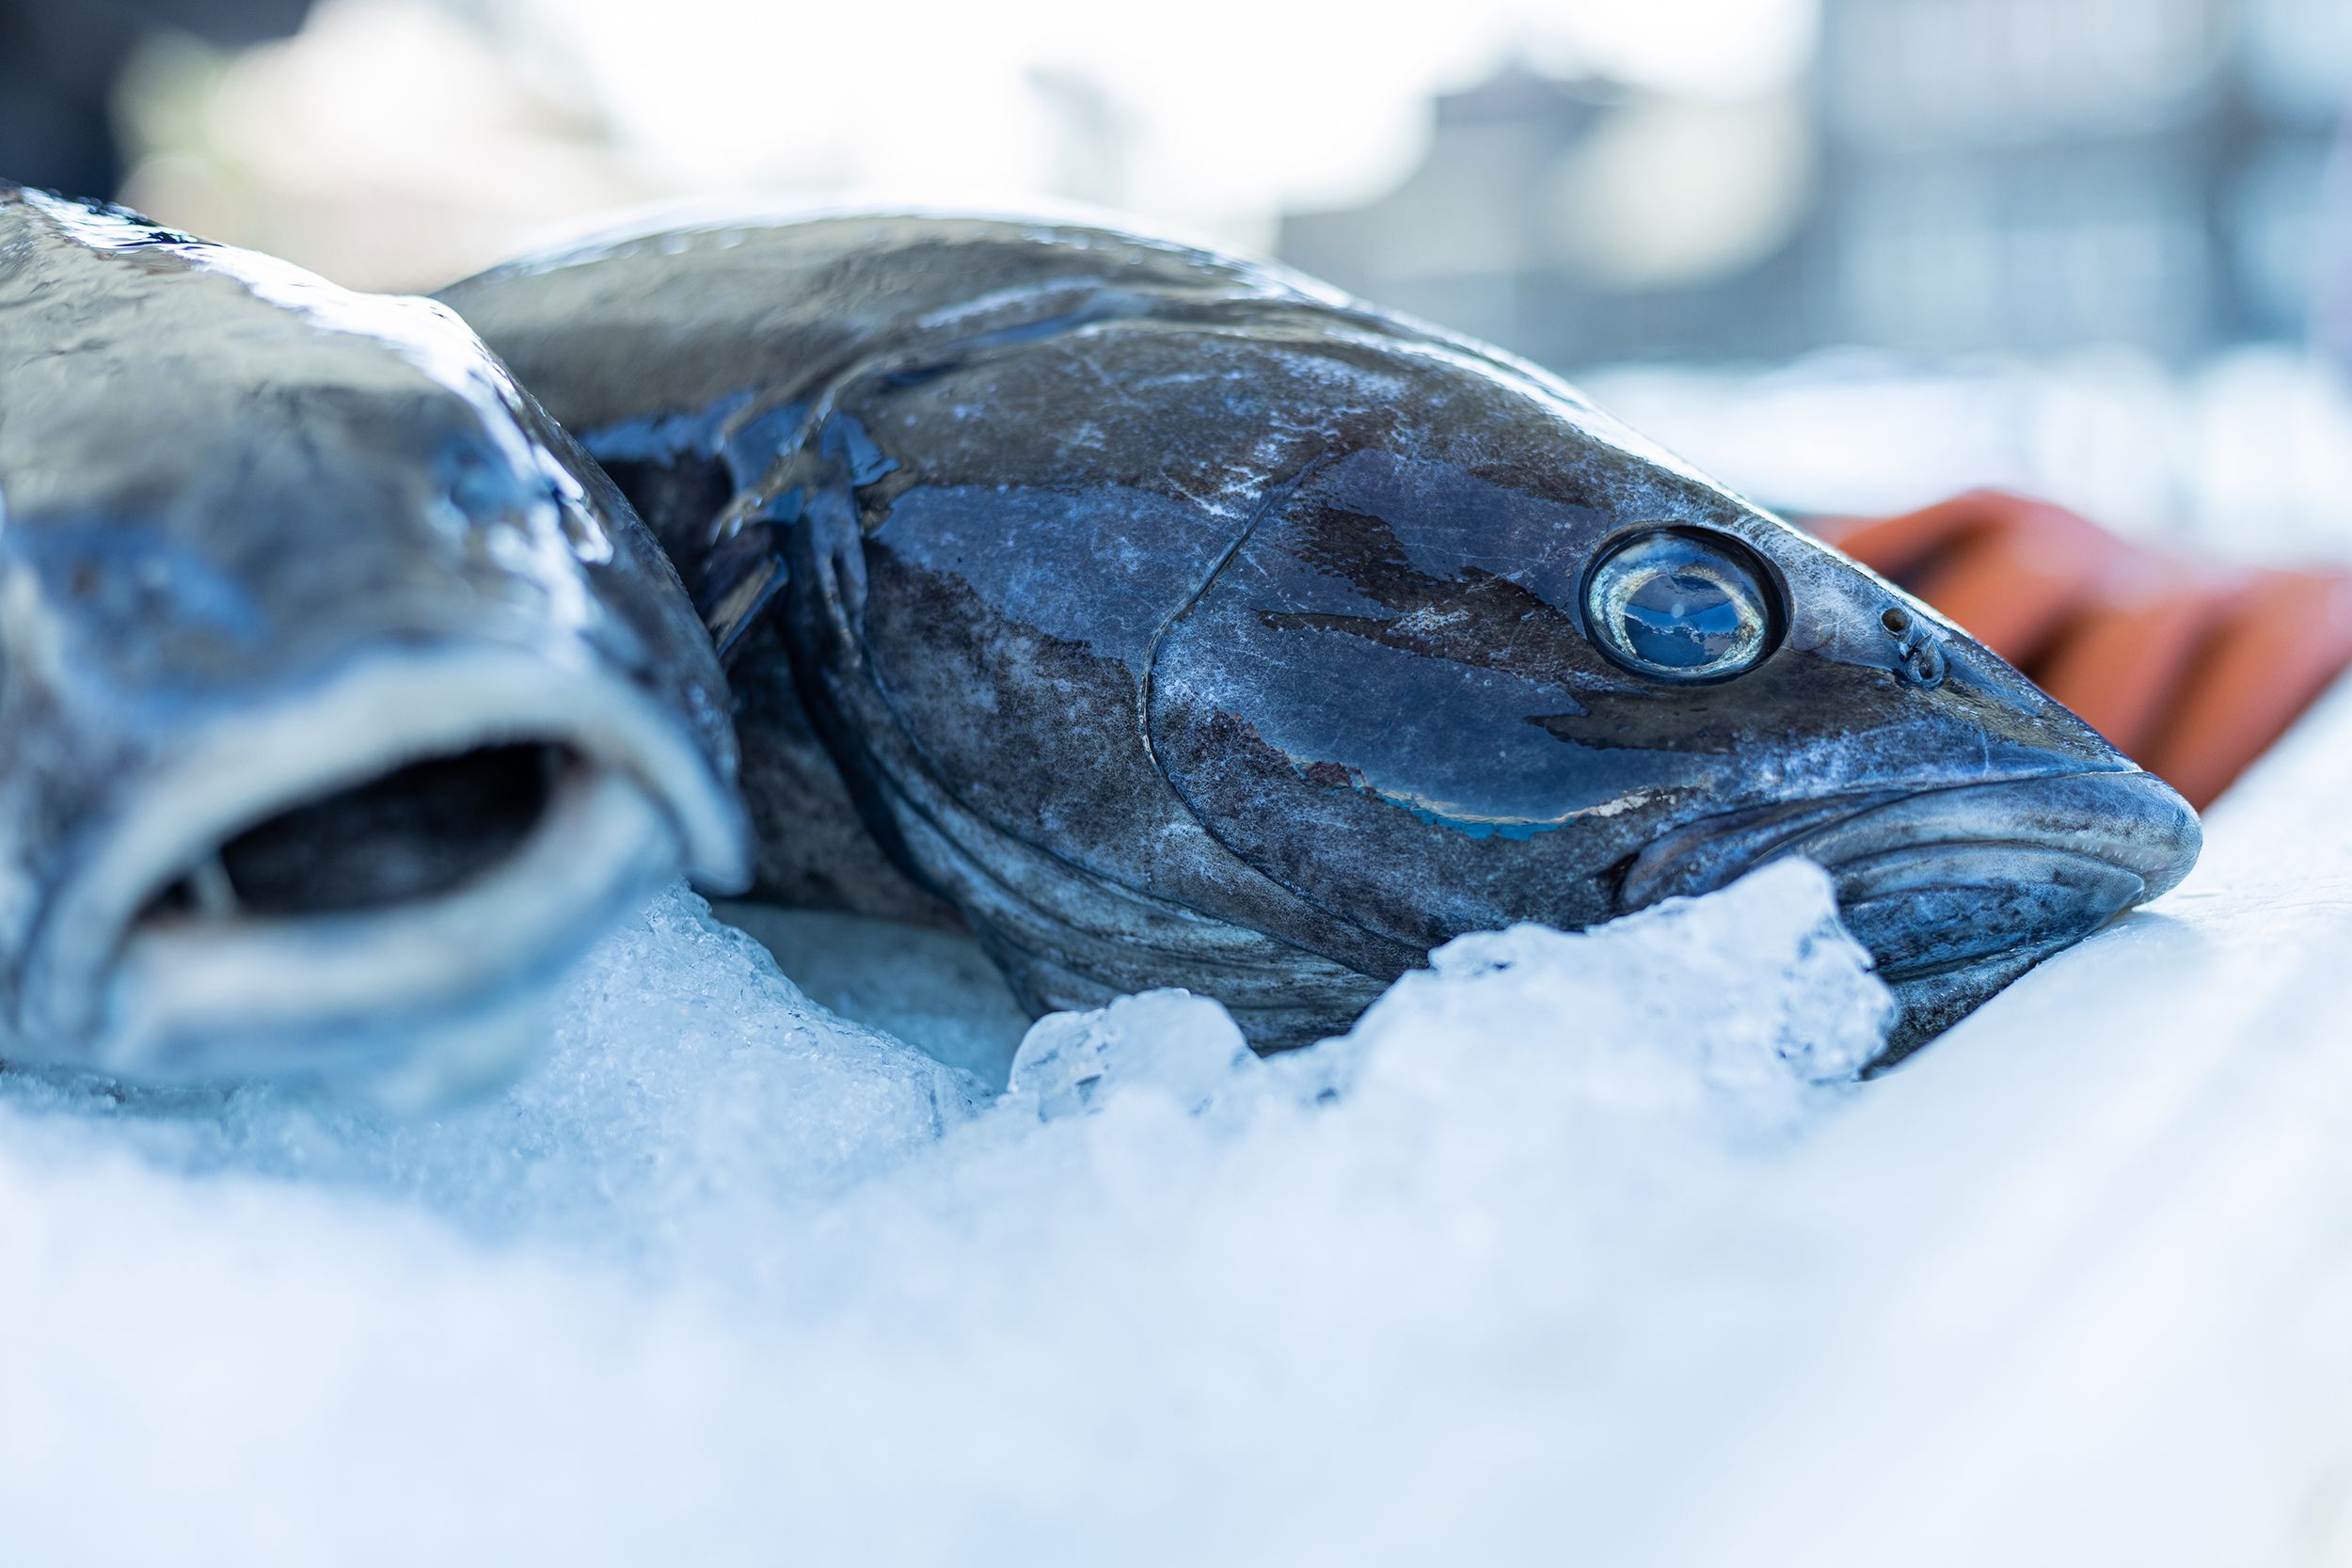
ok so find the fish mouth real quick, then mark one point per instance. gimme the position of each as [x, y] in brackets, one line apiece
[379, 880]
[1959, 890]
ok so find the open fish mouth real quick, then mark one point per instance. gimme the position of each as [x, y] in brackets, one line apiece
[377, 878]
[1955, 891]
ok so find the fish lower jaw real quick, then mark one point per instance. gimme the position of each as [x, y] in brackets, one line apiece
[1997, 880]
[1950, 925]
[1931, 908]
[1959, 889]
[1929, 1000]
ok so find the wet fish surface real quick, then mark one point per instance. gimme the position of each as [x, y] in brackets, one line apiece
[1179, 620]
[343, 700]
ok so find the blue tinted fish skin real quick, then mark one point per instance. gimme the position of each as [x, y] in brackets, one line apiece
[265, 546]
[1179, 621]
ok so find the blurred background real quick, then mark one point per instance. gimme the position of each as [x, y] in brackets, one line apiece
[1851, 255]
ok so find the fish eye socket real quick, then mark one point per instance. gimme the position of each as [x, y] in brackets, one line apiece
[1681, 604]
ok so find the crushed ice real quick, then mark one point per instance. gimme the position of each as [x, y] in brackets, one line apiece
[731, 1273]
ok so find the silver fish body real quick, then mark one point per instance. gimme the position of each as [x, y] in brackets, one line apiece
[343, 700]
[1182, 622]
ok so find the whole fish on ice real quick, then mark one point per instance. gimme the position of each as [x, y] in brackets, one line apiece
[1180, 622]
[341, 700]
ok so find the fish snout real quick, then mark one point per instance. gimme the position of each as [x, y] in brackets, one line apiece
[1957, 891]
[376, 877]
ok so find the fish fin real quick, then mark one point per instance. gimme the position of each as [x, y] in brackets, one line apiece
[740, 578]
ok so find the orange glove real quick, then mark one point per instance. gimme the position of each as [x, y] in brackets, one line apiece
[2189, 666]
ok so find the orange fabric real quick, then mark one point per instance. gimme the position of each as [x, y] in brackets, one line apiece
[2191, 667]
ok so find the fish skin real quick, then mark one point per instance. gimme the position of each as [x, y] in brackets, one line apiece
[1182, 621]
[261, 540]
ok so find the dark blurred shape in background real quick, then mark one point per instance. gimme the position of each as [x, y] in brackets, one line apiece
[1583, 220]
[59, 62]
[1968, 175]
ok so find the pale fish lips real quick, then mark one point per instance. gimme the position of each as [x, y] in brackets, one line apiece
[1955, 891]
[377, 879]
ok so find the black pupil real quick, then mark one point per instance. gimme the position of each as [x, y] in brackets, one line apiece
[1683, 621]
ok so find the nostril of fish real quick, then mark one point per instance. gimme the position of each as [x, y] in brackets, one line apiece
[1923, 665]
[1919, 653]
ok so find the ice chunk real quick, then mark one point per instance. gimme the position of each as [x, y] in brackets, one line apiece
[1740, 1002]
[1741, 999]
[934, 990]
[688, 1087]
[1171, 1042]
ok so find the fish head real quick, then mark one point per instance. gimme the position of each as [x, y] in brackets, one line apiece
[1183, 621]
[345, 698]
[1489, 656]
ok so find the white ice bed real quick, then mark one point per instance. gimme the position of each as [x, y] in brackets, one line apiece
[2074, 1287]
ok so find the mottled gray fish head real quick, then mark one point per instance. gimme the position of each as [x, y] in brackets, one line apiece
[343, 700]
[1520, 665]
[1185, 623]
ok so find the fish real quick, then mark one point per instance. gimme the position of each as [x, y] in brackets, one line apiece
[1177, 620]
[343, 699]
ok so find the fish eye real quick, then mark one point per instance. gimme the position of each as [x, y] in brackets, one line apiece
[1681, 604]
